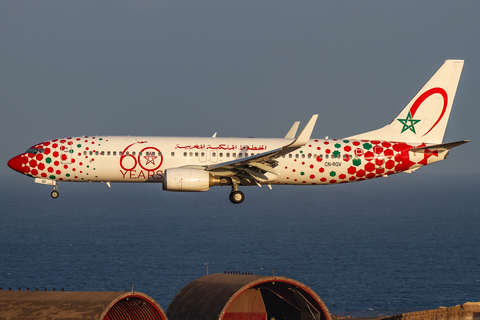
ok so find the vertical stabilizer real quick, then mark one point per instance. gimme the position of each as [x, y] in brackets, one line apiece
[425, 117]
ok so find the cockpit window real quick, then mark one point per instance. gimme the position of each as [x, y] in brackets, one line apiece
[35, 151]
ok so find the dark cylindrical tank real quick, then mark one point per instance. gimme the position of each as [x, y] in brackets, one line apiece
[241, 297]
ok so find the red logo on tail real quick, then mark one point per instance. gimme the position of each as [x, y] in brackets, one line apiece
[424, 97]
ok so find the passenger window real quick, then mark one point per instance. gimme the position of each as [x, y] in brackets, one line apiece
[240, 155]
[234, 155]
[196, 154]
[91, 152]
[191, 154]
[326, 156]
[309, 155]
[202, 154]
[84, 153]
[114, 153]
[133, 153]
[221, 154]
[290, 155]
[214, 154]
[173, 154]
[108, 153]
[246, 154]
[297, 155]
[228, 155]
[120, 153]
[102, 153]
[96, 153]
[184, 154]
[139, 153]
[303, 155]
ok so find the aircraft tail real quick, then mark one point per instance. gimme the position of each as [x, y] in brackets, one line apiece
[425, 117]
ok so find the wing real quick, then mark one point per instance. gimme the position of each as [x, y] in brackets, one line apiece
[255, 167]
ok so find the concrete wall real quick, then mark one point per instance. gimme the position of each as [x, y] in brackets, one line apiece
[466, 311]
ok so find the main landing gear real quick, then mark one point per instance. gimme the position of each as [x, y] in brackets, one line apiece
[236, 196]
[55, 193]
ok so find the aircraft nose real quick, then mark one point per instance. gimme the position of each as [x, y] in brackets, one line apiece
[16, 163]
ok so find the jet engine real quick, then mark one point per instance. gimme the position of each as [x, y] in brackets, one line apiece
[187, 179]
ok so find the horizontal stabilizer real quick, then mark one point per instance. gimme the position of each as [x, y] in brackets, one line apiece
[442, 146]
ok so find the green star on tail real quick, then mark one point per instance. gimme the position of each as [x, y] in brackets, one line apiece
[412, 124]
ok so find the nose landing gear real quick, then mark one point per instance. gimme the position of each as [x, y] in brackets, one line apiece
[55, 192]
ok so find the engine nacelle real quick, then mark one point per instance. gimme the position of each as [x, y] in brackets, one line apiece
[186, 179]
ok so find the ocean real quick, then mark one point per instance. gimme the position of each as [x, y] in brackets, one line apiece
[403, 243]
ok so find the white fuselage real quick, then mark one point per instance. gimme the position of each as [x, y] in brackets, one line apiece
[145, 159]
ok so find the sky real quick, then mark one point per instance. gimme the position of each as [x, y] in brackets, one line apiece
[239, 68]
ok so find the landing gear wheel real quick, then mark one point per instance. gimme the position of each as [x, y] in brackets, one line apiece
[54, 194]
[237, 197]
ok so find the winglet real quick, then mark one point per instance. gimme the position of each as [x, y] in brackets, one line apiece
[304, 136]
[293, 131]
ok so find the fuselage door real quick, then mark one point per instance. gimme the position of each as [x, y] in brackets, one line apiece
[379, 159]
[66, 152]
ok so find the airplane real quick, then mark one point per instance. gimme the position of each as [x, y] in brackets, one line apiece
[410, 141]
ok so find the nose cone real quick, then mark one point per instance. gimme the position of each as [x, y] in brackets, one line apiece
[16, 164]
